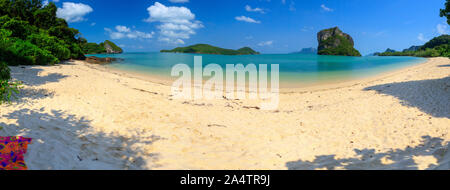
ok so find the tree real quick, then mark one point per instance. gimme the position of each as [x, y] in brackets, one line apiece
[46, 17]
[446, 12]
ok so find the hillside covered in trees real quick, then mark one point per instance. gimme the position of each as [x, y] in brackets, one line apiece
[436, 47]
[209, 49]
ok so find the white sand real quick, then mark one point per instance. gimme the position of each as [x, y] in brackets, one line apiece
[84, 116]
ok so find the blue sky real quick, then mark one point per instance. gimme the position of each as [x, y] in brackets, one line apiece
[268, 26]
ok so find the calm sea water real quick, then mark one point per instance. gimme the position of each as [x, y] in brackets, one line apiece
[294, 68]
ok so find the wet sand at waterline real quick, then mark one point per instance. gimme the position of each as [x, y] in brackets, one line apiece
[84, 116]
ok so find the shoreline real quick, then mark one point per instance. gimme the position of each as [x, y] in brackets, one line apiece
[292, 88]
[82, 116]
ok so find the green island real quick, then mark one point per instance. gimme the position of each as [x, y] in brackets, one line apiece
[209, 49]
[436, 47]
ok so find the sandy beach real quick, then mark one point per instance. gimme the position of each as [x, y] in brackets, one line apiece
[84, 116]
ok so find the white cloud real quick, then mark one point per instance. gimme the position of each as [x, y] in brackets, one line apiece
[73, 12]
[256, 9]
[442, 29]
[247, 19]
[325, 8]
[93, 24]
[122, 28]
[266, 43]
[179, 1]
[421, 38]
[176, 23]
[125, 32]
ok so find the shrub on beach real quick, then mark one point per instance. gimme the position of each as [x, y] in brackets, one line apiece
[7, 89]
[5, 73]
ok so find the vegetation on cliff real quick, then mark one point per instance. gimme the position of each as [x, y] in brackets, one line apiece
[111, 47]
[209, 49]
[333, 41]
[104, 47]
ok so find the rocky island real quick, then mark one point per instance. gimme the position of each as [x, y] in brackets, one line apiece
[104, 47]
[209, 49]
[333, 41]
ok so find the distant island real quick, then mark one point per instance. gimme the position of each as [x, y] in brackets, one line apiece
[436, 47]
[333, 41]
[306, 51]
[209, 49]
[105, 47]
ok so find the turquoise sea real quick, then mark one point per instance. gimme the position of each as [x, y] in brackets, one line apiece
[294, 68]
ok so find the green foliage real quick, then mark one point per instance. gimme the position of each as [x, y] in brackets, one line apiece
[344, 48]
[8, 90]
[247, 51]
[443, 50]
[5, 73]
[427, 53]
[19, 28]
[8, 56]
[93, 48]
[50, 43]
[20, 9]
[32, 34]
[446, 11]
[208, 49]
[437, 41]
[44, 18]
[32, 54]
[437, 47]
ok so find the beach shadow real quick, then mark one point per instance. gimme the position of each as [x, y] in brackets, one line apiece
[64, 141]
[30, 76]
[443, 65]
[398, 159]
[28, 94]
[430, 96]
